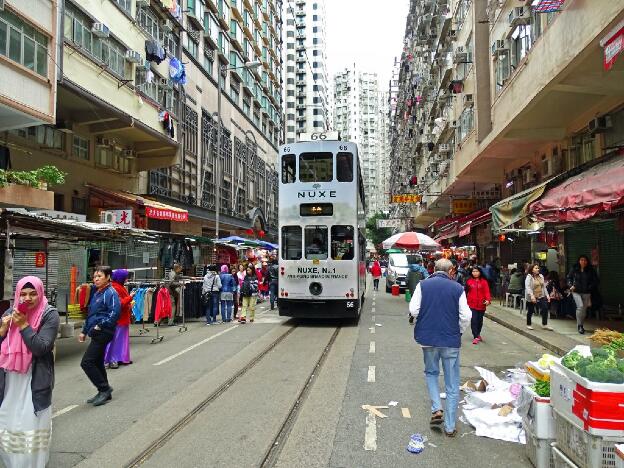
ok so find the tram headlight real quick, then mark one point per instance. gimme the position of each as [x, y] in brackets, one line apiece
[316, 288]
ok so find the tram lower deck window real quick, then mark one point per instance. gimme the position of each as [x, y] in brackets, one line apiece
[342, 242]
[291, 242]
[316, 242]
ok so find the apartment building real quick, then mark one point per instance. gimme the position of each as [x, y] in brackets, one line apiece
[499, 102]
[28, 31]
[358, 117]
[137, 107]
[305, 60]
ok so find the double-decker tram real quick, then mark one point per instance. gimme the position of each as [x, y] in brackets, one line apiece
[322, 229]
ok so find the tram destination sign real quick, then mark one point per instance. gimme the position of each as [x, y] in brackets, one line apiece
[405, 198]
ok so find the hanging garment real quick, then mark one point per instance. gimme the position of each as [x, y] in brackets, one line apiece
[163, 305]
[147, 304]
[139, 303]
[166, 251]
[149, 76]
[154, 52]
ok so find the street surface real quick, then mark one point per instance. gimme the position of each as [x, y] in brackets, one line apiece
[277, 392]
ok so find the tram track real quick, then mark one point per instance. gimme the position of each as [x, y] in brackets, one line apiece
[275, 447]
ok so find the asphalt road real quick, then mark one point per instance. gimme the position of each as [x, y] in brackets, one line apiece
[241, 383]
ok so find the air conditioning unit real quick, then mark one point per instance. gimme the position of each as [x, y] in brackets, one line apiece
[102, 141]
[166, 26]
[100, 30]
[108, 217]
[133, 56]
[599, 124]
[142, 3]
[444, 148]
[498, 46]
[128, 153]
[468, 101]
[519, 16]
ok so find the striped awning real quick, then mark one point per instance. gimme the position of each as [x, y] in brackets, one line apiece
[548, 6]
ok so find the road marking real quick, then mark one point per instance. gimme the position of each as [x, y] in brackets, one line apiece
[371, 348]
[64, 410]
[370, 436]
[372, 318]
[373, 309]
[406, 412]
[372, 329]
[192, 347]
[371, 374]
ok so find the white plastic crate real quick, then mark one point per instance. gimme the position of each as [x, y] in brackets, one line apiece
[560, 460]
[538, 450]
[584, 449]
[539, 418]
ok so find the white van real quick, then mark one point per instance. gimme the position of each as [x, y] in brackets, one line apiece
[398, 265]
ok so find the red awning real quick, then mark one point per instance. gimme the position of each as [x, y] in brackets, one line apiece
[481, 218]
[452, 227]
[596, 190]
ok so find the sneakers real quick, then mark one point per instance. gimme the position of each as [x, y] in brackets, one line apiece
[114, 365]
[529, 327]
[480, 339]
[581, 330]
[546, 327]
[242, 320]
[476, 341]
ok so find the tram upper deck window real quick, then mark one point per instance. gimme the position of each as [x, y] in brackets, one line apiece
[344, 167]
[316, 242]
[289, 169]
[291, 242]
[316, 167]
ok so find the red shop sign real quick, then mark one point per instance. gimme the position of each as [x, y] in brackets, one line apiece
[164, 213]
[40, 259]
[613, 45]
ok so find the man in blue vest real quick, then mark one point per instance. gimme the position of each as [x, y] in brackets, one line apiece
[442, 314]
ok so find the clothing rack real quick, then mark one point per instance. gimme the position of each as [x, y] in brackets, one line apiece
[183, 283]
[158, 338]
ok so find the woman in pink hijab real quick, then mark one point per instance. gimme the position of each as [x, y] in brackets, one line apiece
[27, 335]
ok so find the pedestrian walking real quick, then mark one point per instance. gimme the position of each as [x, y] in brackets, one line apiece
[228, 286]
[27, 335]
[442, 314]
[118, 350]
[235, 299]
[462, 273]
[262, 274]
[376, 272]
[210, 294]
[273, 282]
[582, 280]
[240, 276]
[536, 296]
[249, 291]
[479, 297]
[104, 310]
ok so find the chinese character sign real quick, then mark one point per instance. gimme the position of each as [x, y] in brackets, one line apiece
[464, 206]
[406, 198]
[123, 218]
[167, 214]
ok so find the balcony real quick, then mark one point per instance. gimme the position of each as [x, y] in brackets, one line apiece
[14, 195]
[237, 9]
[301, 34]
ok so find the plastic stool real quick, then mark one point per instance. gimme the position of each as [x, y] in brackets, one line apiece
[522, 304]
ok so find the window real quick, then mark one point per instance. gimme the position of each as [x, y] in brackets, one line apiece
[23, 44]
[124, 4]
[520, 43]
[503, 70]
[112, 158]
[208, 61]
[315, 29]
[148, 21]
[342, 242]
[291, 242]
[191, 46]
[315, 167]
[289, 169]
[80, 148]
[344, 167]
[316, 242]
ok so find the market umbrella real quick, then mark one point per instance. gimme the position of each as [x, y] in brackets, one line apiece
[411, 241]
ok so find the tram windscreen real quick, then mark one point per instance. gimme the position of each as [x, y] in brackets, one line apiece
[316, 167]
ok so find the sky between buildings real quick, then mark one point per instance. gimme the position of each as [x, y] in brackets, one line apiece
[368, 33]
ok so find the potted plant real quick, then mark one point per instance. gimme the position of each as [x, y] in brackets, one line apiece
[49, 175]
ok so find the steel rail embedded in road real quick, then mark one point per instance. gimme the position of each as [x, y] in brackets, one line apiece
[162, 440]
[278, 443]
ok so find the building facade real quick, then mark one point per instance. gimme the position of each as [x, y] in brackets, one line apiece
[490, 110]
[358, 109]
[136, 108]
[305, 59]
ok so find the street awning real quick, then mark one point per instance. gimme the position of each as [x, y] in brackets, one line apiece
[510, 210]
[596, 190]
[478, 218]
[153, 208]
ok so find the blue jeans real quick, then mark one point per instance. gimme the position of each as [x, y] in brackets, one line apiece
[272, 293]
[450, 364]
[226, 310]
[212, 308]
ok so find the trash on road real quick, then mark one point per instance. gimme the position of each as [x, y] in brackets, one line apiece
[443, 396]
[416, 443]
[393, 403]
[379, 324]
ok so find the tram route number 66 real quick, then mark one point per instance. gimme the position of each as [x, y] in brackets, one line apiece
[350, 304]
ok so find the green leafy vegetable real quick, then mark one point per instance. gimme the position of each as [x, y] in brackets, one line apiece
[542, 388]
[571, 359]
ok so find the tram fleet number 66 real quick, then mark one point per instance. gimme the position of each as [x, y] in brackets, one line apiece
[321, 229]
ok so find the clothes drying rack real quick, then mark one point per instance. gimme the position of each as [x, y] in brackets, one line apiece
[143, 331]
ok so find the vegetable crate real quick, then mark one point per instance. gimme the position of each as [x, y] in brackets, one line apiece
[539, 418]
[560, 460]
[584, 449]
[538, 450]
[598, 408]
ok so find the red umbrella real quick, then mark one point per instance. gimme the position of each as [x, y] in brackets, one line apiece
[411, 241]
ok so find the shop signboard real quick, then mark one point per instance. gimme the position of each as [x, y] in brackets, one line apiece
[613, 44]
[166, 214]
[388, 223]
[405, 198]
[40, 259]
[118, 218]
[463, 205]
[61, 215]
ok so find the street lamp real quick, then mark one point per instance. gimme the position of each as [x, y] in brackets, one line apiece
[222, 69]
